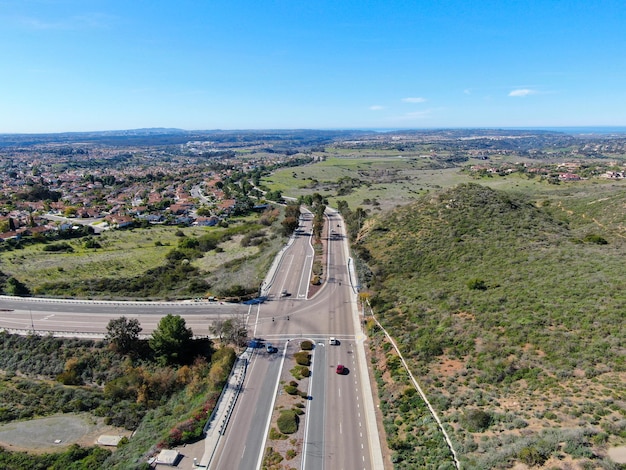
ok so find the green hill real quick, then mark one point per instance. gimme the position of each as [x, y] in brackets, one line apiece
[510, 311]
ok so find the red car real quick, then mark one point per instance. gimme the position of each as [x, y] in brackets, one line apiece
[340, 369]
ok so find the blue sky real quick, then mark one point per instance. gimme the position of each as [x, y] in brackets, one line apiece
[83, 65]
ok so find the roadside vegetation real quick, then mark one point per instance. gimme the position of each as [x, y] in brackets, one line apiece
[75, 458]
[285, 440]
[157, 262]
[162, 388]
[510, 312]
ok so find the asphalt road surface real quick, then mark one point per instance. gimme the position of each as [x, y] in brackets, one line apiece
[90, 319]
[340, 432]
[338, 435]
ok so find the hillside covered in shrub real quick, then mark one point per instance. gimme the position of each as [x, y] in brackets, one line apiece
[511, 313]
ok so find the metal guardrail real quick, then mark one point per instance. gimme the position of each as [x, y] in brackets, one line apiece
[57, 334]
[144, 303]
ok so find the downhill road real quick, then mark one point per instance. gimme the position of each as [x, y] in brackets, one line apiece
[341, 428]
[341, 431]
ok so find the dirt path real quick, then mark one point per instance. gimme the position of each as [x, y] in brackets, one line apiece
[55, 433]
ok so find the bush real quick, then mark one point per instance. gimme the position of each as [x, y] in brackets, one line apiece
[275, 435]
[300, 372]
[477, 420]
[58, 247]
[287, 422]
[291, 390]
[476, 284]
[531, 456]
[594, 238]
[271, 458]
[306, 345]
[303, 358]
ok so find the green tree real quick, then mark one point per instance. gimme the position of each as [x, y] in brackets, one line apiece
[171, 340]
[17, 288]
[123, 334]
[289, 224]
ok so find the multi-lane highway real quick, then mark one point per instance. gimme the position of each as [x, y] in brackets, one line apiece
[340, 425]
[85, 318]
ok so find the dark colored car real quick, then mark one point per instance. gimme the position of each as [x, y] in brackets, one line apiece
[341, 369]
[255, 301]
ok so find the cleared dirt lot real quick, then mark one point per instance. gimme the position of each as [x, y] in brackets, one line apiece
[54, 433]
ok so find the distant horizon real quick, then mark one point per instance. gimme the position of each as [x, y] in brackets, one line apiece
[564, 129]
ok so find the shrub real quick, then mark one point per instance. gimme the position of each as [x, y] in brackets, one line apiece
[58, 247]
[271, 458]
[287, 422]
[300, 372]
[291, 390]
[531, 456]
[276, 435]
[306, 345]
[477, 420]
[476, 284]
[303, 358]
[595, 238]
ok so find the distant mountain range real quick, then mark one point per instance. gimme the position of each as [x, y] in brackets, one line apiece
[173, 136]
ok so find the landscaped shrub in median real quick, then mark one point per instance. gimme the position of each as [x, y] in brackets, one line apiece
[288, 422]
[300, 372]
[303, 358]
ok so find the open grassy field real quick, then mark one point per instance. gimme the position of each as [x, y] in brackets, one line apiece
[127, 254]
[389, 180]
[381, 180]
[124, 253]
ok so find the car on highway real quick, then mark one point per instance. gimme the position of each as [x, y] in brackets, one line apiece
[333, 341]
[271, 349]
[255, 301]
[341, 369]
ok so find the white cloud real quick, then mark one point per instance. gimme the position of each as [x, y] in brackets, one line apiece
[522, 92]
[413, 116]
[376, 107]
[414, 100]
